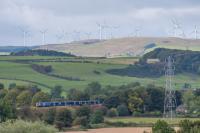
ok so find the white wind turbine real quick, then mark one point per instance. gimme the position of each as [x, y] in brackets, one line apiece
[195, 32]
[100, 30]
[43, 32]
[25, 33]
[176, 27]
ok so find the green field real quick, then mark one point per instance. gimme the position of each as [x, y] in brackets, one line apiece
[12, 71]
[147, 120]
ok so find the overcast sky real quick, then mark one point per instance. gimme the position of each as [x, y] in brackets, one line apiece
[150, 17]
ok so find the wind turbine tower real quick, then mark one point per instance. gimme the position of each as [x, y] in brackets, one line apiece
[170, 98]
[25, 32]
[43, 32]
[196, 32]
[100, 30]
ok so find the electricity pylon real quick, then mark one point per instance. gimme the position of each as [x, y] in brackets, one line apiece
[170, 98]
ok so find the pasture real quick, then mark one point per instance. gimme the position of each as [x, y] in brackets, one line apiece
[17, 69]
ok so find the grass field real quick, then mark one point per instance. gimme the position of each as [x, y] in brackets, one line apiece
[84, 69]
[147, 120]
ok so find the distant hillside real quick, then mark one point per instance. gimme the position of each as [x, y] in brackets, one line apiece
[14, 48]
[133, 46]
[184, 61]
[40, 53]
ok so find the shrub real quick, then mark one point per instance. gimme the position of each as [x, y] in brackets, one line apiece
[20, 126]
[112, 112]
[82, 121]
[97, 117]
[49, 116]
[123, 110]
[162, 127]
[1, 86]
[63, 118]
[40, 97]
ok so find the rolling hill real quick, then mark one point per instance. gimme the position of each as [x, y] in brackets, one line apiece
[122, 46]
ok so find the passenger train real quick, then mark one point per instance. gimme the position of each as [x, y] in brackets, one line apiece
[68, 103]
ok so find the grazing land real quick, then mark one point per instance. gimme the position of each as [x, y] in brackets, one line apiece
[18, 69]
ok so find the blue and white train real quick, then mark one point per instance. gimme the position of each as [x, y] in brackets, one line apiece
[67, 103]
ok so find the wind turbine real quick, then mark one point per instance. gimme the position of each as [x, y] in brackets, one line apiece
[176, 27]
[25, 32]
[43, 32]
[196, 32]
[100, 30]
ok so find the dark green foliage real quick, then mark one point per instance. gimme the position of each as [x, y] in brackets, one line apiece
[56, 92]
[82, 121]
[97, 117]
[83, 111]
[41, 53]
[83, 115]
[24, 99]
[40, 97]
[75, 94]
[112, 112]
[1, 86]
[187, 126]
[7, 111]
[49, 116]
[93, 88]
[12, 86]
[123, 110]
[162, 127]
[63, 118]
[185, 61]
[41, 68]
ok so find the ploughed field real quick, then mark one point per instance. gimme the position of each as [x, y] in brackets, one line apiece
[71, 72]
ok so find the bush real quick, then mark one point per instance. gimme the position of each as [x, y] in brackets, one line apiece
[162, 127]
[123, 110]
[112, 112]
[1, 86]
[187, 126]
[82, 121]
[97, 117]
[63, 118]
[49, 116]
[83, 116]
[20, 126]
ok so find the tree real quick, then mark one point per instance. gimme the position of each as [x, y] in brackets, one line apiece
[97, 117]
[12, 86]
[75, 94]
[24, 98]
[93, 88]
[1, 86]
[11, 97]
[134, 102]
[63, 118]
[83, 115]
[123, 110]
[49, 116]
[56, 92]
[83, 111]
[40, 97]
[162, 127]
[3, 93]
[7, 111]
[112, 112]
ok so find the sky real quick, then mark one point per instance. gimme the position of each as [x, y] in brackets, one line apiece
[73, 20]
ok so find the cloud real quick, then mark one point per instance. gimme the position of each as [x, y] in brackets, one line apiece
[82, 15]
